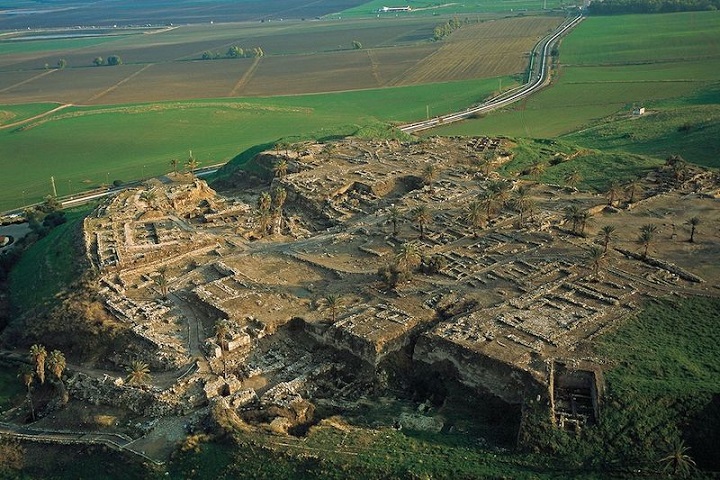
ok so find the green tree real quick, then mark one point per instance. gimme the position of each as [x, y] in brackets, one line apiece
[422, 216]
[394, 217]
[612, 192]
[357, 45]
[114, 60]
[62, 64]
[138, 373]
[191, 164]
[646, 237]
[521, 201]
[536, 169]
[207, 55]
[677, 462]
[26, 375]
[408, 256]
[281, 168]
[332, 303]
[606, 234]
[573, 179]
[594, 256]
[693, 222]
[474, 215]
[174, 163]
[572, 213]
[430, 173]
[487, 199]
[98, 61]
[56, 364]
[501, 190]
[235, 52]
[161, 281]
[38, 355]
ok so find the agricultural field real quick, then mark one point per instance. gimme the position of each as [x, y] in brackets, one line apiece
[91, 146]
[606, 68]
[61, 13]
[300, 57]
[425, 7]
[398, 76]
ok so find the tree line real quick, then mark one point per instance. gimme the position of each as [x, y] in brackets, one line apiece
[616, 7]
[234, 52]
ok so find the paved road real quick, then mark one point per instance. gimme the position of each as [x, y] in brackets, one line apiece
[538, 78]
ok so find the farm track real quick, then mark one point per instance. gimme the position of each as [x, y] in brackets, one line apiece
[36, 117]
[246, 77]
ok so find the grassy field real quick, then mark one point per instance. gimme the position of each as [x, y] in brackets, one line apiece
[606, 68]
[83, 147]
[425, 7]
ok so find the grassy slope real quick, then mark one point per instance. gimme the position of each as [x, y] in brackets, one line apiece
[83, 147]
[47, 267]
[673, 67]
[425, 7]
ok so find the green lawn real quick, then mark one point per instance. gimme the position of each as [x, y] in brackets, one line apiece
[83, 147]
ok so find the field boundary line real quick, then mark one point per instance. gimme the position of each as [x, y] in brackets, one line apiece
[118, 84]
[36, 117]
[245, 77]
[374, 67]
[43, 74]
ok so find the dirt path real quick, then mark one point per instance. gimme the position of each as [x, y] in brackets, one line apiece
[118, 84]
[246, 77]
[41, 115]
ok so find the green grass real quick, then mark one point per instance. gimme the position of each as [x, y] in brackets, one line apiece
[11, 389]
[83, 147]
[48, 267]
[424, 7]
[662, 62]
[61, 46]
[16, 113]
[597, 168]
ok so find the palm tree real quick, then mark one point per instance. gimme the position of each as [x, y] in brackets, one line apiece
[693, 222]
[138, 373]
[279, 197]
[647, 234]
[332, 303]
[573, 178]
[39, 354]
[221, 331]
[281, 168]
[264, 201]
[583, 219]
[174, 164]
[27, 375]
[421, 214]
[487, 199]
[485, 162]
[264, 217]
[594, 256]
[429, 174]
[678, 167]
[677, 462]
[521, 200]
[191, 164]
[537, 168]
[56, 364]
[394, 217]
[606, 234]
[632, 189]
[612, 192]
[474, 216]
[572, 214]
[408, 256]
[501, 190]
[162, 282]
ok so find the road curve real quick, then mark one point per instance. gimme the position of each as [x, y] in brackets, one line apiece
[539, 77]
